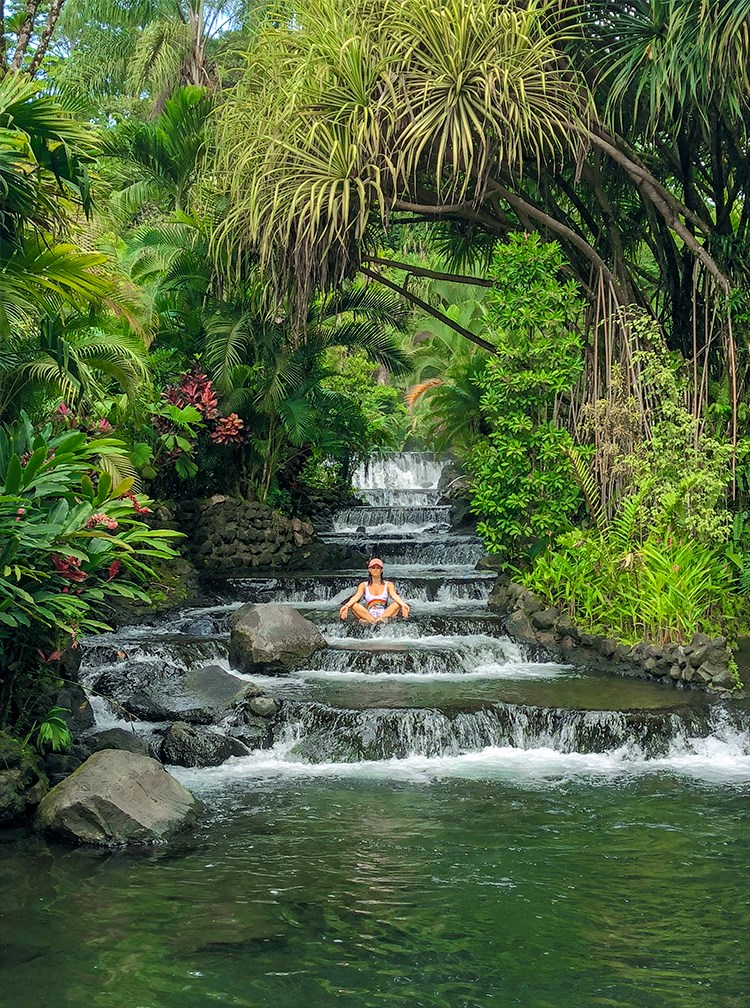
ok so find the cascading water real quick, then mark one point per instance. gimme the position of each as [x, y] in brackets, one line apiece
[446, 685]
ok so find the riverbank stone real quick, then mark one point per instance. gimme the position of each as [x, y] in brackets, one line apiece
[117, 738]
[704, 663]
[116, 798]
[271, 638]
[198, 746]
[23, 782]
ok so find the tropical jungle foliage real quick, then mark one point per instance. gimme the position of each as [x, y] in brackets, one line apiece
[72, 541]
[243, 250]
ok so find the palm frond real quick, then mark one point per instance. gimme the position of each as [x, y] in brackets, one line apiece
[226, 339]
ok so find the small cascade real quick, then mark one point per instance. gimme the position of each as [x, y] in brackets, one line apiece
[325, 587]
[421, 626]
[317, 733]
[448, 656]
[391, 518]
[410, 470]
[402, 497]
[415, 550]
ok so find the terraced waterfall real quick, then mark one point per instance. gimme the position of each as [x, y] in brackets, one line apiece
[440, 818]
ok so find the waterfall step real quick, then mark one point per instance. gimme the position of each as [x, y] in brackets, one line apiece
[429, 683]
[453, 623]
[391, 518]
[401, 497]
[180, 650]
[338, 587]
[318, 732]
[430, 551]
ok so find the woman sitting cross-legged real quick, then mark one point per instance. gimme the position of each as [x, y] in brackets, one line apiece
[379, 598]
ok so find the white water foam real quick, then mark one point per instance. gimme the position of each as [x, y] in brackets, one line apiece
[707, 761]
[480, 672]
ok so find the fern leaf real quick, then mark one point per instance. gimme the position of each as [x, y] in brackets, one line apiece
[587, 483]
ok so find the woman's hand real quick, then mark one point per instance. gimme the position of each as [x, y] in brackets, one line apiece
[405, 610]
[344, 612]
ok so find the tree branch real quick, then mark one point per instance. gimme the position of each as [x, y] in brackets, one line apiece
[521, 206]
[670, 208]
[431, 274]
[427, 208]
[477, 340]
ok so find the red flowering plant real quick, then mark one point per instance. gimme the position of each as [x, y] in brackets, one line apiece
[228, 430]
[71, 541]
[187, 408]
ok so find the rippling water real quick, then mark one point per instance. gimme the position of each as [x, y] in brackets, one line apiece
[551, 893]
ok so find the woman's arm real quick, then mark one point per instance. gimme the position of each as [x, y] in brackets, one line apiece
[344, 610]
[405, 610]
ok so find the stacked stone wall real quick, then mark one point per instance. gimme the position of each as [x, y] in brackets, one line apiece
[704, 662]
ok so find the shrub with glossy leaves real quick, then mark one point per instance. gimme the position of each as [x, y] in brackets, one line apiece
[70, 543]
[520, 475]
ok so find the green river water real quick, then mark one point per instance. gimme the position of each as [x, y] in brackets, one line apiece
[558, 892]
[443, 820]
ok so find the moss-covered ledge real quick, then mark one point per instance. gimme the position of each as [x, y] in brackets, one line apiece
[705, 663]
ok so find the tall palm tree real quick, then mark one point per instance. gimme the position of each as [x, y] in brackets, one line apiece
[153, 46]
[155, 162]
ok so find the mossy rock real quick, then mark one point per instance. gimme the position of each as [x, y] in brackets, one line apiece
[23, 782]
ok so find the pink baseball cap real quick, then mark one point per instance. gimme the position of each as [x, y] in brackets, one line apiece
[376, 561]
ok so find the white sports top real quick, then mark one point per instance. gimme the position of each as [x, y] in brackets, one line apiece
[376, 604]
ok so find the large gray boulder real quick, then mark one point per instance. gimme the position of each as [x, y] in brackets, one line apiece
[115, 798]
[198, 746]
[271, 638]
[200, 694]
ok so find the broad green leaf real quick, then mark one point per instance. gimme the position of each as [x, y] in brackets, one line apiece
[13, 475]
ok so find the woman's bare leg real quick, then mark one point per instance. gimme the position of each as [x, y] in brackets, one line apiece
[392, 610]
[362, 614]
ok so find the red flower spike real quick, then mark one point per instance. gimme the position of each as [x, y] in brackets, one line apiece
[69, 567]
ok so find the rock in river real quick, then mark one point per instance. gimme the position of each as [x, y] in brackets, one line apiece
[160, 692]
[117, 738]
[196, 746]
[271, 638]
[116, 797]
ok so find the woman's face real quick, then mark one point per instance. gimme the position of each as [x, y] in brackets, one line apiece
[375, 569]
